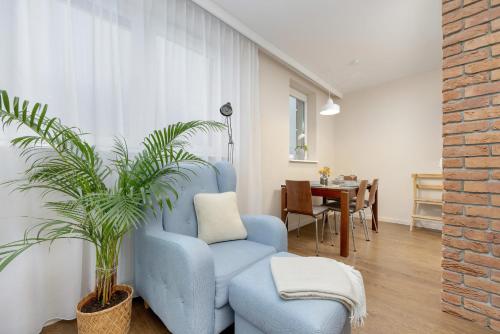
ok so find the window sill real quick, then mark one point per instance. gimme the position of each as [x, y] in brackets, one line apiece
[303, 161]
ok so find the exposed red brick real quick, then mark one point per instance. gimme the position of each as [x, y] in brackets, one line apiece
[482, 187]
[452, 117]
[495, 75]
[479, 42]
[460, 197]
[482, 260]
[495, 325]
[478, 235]
[452, 50]
[454, 209]
[495, 50]
[495, 275]
[496, 125]
[482, 113]
[465, 151]
[483, 138]
[465, 81]
[466, 175]
[453, 27]
[454, 231]
[453, 254]
[473, 222]
[475, 246]
[495, 250]
[466, 127]
[480, 283]
[453, 140]
[473, 103]
[453, 185]
[484, 65]
[466, 57]
[463, 313]
[453, 95]
[465, 291]
[483, 162]
[482, 308]
[471, 160]
[495, 225]
[465, 12]
[452, 276]
[482, 211]
[451, 298]
[482, 89]
[496, 238]
[495, 300]
[453, 72]
[495, 25]
[482, 17]
[466, 35]
[451, 5]
[495, 200]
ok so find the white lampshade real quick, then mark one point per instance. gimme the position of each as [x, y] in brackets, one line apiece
[330, 108]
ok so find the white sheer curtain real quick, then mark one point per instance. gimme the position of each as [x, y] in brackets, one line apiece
[114, 67]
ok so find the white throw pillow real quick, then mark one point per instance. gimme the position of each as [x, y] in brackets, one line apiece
[218, 217]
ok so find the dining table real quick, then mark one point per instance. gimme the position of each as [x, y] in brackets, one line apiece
[344, 192]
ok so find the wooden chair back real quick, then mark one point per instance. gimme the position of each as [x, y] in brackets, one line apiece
[350, 178]
[299, 197]
[360, 196]
[373, 192]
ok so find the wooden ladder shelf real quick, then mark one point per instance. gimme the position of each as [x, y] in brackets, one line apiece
[419, 189]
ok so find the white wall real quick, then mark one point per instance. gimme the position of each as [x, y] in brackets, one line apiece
[275, 82]
[391, 131]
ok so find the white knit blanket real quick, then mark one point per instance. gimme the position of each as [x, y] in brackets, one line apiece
[321, 278]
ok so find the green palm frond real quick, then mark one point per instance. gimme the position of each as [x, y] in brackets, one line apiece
[59, 160]
[69, 151]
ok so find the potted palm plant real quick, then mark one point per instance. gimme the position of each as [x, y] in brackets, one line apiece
[98, 202]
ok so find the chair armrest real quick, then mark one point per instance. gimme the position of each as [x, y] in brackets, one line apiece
[268, 230]
[174, 273]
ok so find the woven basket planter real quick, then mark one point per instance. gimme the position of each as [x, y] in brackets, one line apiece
[114, 320]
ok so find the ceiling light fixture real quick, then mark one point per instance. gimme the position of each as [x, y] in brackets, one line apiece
[330, 108]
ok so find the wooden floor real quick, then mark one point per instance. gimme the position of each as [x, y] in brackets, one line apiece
[401, 271]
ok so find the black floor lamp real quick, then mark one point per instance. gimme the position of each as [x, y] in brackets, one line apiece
[226, 110]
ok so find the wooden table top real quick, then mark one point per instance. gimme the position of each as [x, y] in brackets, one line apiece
[340, 186]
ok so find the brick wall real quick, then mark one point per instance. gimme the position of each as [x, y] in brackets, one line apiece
[471, 160]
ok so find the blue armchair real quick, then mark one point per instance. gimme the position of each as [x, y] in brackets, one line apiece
[184, 280]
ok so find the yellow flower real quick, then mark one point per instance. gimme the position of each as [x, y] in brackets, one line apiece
[325, 171]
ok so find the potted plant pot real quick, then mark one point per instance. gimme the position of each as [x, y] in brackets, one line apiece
[112, 320]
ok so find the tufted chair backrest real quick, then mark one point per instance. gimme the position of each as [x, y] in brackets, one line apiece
[182, 218]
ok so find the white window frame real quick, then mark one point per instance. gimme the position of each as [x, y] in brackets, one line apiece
[301, 96]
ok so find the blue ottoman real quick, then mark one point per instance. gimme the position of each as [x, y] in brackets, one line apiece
[259, 309]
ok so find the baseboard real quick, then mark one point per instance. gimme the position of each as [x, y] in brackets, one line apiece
[426, 224]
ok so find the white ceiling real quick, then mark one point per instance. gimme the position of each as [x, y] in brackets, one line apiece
[390, 38]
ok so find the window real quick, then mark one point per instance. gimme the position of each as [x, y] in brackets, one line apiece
[297, 106]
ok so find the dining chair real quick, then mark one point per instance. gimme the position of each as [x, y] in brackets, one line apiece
[331, 201]
[371, 200]
[299, 201]
[355, 207]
